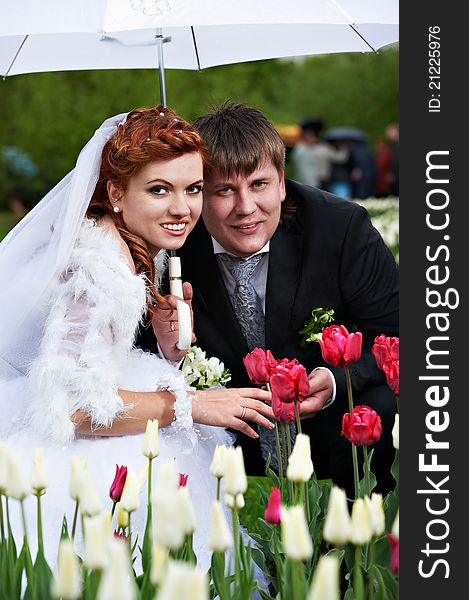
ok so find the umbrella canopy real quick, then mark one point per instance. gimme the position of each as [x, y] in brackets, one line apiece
[53, 35]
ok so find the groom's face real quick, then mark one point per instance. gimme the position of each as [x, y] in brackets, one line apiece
[242, 212]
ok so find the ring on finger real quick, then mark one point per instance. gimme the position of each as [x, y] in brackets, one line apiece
[171, 326]
[243, 414]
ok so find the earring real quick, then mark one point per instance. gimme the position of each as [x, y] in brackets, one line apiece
[116, 209]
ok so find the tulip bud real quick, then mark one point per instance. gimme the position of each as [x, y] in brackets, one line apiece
[235, 475]
[90, 504]
[18, 486]
[337, 524]
[183, 477]
[117, 486]
[3, 468]
[234, 501]
[67, 583]
[184, 581]
[167, 525]
[122, 518]
[151, 446]
[300, 466]
[186, 511]
[217, 468]
[77, 467]
[395, 432]
[159, 564]
[167, 477]
[220, 538]
[38, 474]
[117, 580]
[97, 536]
[395, 526]
[272, 511]
[325, 585]
[375, 508]
[130, 499]
[361, 531]
[296, 538]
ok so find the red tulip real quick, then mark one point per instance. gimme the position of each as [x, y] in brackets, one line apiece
[394, 550]
[289, 382]
[340, 348]
[362, 426]
[272, 511]
[283, 411]
[183, 479]
[115, 491]
[259, 364]
[121, 536]
[391, 369]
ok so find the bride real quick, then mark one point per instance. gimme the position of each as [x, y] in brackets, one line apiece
[78, 275]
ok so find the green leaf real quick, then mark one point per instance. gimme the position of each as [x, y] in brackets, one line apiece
[147, 537]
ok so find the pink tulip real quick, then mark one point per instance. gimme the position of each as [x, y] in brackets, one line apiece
[394, 551]
[117, 486]
[340, 348]
[362, 426]
[183, 479]
[272, 511]
[259, 364]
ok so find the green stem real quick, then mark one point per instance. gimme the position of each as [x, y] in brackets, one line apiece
[358, 587]
[290, 483]
[218, 487]
[149, 507]
[2, 528]
[75, 518]
[296, 580]
[366, 470]
[7, 504]
[297, 415]
[279, 453]
[306, 497]
[354, 448]
[129, 539]
[40, 542]
[234, 515]
[114, 504]
[288, 439]
[23, 518]
[278, 565]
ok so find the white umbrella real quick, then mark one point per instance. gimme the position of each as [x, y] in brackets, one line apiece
[53, 35]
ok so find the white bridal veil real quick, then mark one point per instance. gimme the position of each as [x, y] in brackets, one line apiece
[37, 249]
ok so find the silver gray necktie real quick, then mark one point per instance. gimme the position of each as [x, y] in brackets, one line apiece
[250, 315]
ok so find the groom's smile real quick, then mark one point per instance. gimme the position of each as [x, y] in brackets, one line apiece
[242, 212]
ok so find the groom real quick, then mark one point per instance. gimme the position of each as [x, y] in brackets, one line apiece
[306, 249]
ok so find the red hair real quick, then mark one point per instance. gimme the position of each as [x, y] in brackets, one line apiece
[147, 134]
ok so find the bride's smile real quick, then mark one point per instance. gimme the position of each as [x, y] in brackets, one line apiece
[162, 201]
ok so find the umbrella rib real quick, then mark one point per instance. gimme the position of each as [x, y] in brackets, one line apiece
[360, 35]
[195, 48]
[15, 57]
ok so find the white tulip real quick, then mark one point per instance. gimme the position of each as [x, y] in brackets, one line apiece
[395, 432]
[296, 538]
[67, 582]
[235, 481]
[300, 466]
[151, 446]
[185, 582]
[375, 508]
[217, 468]
[117, 582]
[325, 584]
[122, 518]
[361, 531]
[220, 538]
[395, 525]
[167, 526]
[159, 563]
[234, 501]
[186, 512]
[90, 503]
[77, 467]
[130, 499]
[18, 486]
[39, 474]
[97, 536]
[337, 524]
[167, 478]
[4, 461]
[142, 475]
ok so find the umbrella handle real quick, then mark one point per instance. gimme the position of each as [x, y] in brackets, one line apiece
[160, 40]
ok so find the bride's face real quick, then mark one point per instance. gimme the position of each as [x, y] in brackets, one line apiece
[163, 201]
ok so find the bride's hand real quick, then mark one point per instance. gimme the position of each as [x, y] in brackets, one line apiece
[166, 326]
[232, 408]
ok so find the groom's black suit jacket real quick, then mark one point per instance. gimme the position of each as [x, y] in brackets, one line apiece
[326, 255]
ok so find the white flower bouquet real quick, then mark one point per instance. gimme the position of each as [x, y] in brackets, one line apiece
[202, 372]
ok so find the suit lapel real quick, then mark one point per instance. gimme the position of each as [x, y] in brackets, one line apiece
[282, 282]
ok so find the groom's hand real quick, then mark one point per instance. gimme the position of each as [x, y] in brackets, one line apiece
[166, 326]
[320, 390]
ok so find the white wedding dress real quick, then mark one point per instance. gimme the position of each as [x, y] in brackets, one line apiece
[86, 354]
